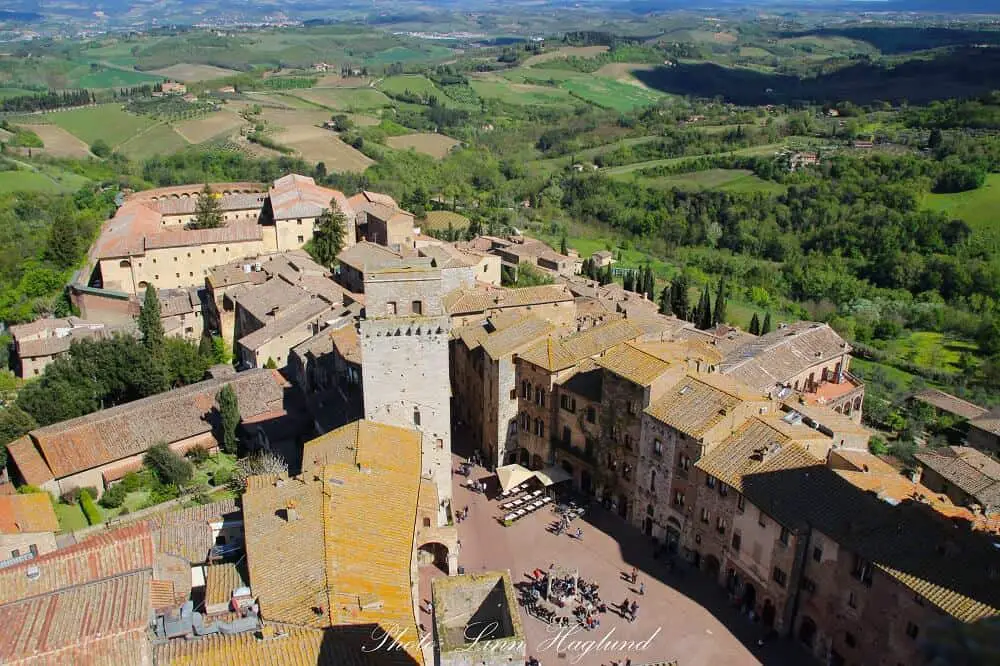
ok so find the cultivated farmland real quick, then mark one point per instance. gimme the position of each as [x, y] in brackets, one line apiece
[208, 127]
[108, 122]
[58, 142]
[566, 52]
[189, 73]
[319, 145]
[435, 145]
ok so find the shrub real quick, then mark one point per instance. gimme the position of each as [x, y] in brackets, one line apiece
[100, 148]
[877, 446]
[89, 490]
[90, 509]
[197, 455]
[168, 466]
[71, 496]
[115, 496]
[222, 476]
[131, 482]
[28, 489]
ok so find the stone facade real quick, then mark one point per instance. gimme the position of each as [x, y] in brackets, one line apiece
[405, 379]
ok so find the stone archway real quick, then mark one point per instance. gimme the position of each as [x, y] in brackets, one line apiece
[433, 553]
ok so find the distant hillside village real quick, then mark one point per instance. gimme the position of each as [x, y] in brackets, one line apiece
[743, 455]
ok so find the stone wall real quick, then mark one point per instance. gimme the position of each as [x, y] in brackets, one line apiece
[44, 542]
[402, 291]
[406, 383]
[463, 277]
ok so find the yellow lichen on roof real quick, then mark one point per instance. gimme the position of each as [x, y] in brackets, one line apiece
[334, 547]
[554, 355]
[956, 604]
[287, 646]
[220, 581]
[698, 402]
[634, 364]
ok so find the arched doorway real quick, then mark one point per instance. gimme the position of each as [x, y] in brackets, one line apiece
[433, 553]
[749, 597]
[767, 614]
[525, 457]
[807, 632]
[586, 482]
[712, 566]
[623, 505]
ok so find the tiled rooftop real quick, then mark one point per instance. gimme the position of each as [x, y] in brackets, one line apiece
[515, 337]
[969, 469]
[221, 580]
[634, 364]
[351, 536]
[296, 196]
[554, 355]
[21, 514]
[947, 402]
[481, 299]
[365, 256]
[698, 402]
[298, 315]
[775, 358]
[131, 428]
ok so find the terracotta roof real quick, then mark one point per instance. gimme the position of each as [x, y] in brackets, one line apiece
[298, 315]
[21, 514]
[187, 533]
[161, 593]
[295, 196]
[125, 233]
[698, 402]
[777, 357]
[947, 402]
[56, 626]
[516, 336]
[227, 202]
[174, 302]
[906, 540]
[828, 418]
[483, 298]
[39, 326]
[448, 256]
[365, 256]
[271, 297]
[344, 445]
[554, 355]
[634, 364]
[105, 555]
[289, 646]
[754, 448]
[348, 343]
[220, 581]
[129, 429]
[973, 471]
[685, 350]
[54, 345]
[234, 232]
[29, 461]
[352, 539]
[232, 274]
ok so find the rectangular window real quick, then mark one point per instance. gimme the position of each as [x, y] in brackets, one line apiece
[657, 447]
[34, 550]
[737, 541]
[780, 577]
[741, 503]
[723, 489]
[591, 415]
[679, 499]
[817, 553]
[302, 239]
[862, 570]
[513, 394]
[390, 308]
[709, 480]
[417, 307]
[704, 516]
[720, 525]
[912, 630]
[566, 436]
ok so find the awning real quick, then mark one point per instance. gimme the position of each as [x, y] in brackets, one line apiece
[512, 476]
[551, 475]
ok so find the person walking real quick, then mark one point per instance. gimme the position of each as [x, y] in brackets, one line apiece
[635, 611]
[625, 607]
[579, 534]
[635, 575]
[642, 589]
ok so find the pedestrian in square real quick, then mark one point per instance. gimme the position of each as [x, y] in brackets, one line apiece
[635, 575]
[642, 589]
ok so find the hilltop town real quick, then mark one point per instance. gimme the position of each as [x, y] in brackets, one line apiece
[424, 440]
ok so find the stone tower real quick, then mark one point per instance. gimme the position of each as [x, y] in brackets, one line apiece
[404, 360]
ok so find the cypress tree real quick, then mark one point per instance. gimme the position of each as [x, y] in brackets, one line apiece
[719, 316]
[563, 248]
[150, 324]
[229, 411]
[629, 282]
[650, 286]
[766, 328]
[680, 303]
[755, 325]
[705, 310]
[665, 302]
[208, 213]
[331, 235]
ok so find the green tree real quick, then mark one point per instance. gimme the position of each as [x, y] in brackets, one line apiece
[705, 310]
[271, 364]
[14, 423]
[208, 213]
[628, 281]
[665, 302]
[150, 324]
[185, 364]
[563, 247]
[100, 148]
[221, 352]
[719, 316]
[168, 466]
[205, 348]
[754, 325]
[63, 247]
[330, 236]
[229, 413]
[679, 298]
[766, 326]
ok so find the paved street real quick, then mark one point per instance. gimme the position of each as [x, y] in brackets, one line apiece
[687, 617]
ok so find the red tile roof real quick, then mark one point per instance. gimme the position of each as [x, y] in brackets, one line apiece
[27, 513]
[112, 553]
[29, 461]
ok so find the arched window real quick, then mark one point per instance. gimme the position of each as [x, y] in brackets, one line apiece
[857, 403]
[124, 263]
[652, 481]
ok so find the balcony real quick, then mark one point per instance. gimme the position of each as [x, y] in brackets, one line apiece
[831, 392]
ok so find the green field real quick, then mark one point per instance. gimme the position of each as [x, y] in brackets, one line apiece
[440, 219]
[108, 122]
[416, 84]
[979, 208]
[109, 77]
[728, 180]
[627, 169]
[521, 94]
[932, 350]
[36, 181]
[611, 94]
[159, 140]
[6, 93]
[345, 99]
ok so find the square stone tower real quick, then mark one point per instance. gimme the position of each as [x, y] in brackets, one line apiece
[404, 361]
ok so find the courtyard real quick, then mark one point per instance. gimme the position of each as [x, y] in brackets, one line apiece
[682, 616]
